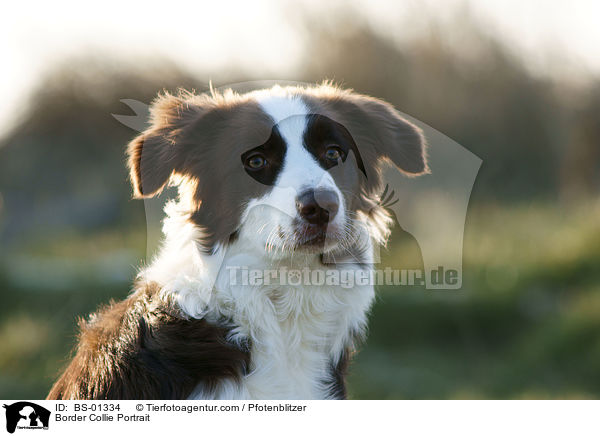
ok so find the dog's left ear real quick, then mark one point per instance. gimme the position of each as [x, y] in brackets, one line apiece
[395, 139]
[382, 130]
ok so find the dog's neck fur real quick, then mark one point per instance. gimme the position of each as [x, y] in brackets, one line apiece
[299, 335]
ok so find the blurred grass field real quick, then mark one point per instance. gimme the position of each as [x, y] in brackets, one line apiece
[525, 324]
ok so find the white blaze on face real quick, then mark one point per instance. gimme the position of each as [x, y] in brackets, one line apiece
[268, 217]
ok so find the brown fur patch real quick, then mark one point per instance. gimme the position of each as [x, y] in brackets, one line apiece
[380, 132]
[143, 348]
[196, 141]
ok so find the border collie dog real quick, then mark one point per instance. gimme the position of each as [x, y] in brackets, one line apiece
[280, 179]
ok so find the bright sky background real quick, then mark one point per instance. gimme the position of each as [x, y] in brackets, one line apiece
[553, 36]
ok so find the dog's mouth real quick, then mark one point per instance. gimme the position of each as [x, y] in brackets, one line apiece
[318, 239]
[313, 238]
[306, 238]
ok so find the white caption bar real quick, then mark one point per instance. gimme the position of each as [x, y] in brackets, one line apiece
[302, 417]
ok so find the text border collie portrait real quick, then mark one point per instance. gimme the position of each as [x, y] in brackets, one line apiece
[283, 177]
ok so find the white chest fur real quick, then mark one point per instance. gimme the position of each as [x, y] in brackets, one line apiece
[296, 332]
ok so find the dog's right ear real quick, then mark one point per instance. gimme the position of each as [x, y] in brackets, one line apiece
[154, 156]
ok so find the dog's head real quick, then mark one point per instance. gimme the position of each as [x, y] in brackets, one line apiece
[287, 170]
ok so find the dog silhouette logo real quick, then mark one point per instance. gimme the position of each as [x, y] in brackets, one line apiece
[26, 415]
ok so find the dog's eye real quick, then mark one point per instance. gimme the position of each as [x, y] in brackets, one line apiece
[334, 153]
[256, 162]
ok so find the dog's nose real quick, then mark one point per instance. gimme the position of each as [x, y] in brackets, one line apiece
[317, 207]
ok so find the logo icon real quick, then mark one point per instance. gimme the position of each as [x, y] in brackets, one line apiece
[26, 415]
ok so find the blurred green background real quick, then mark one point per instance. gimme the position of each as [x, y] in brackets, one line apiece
[526, 323]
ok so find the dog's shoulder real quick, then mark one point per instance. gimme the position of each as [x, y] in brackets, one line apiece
[144, 348]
